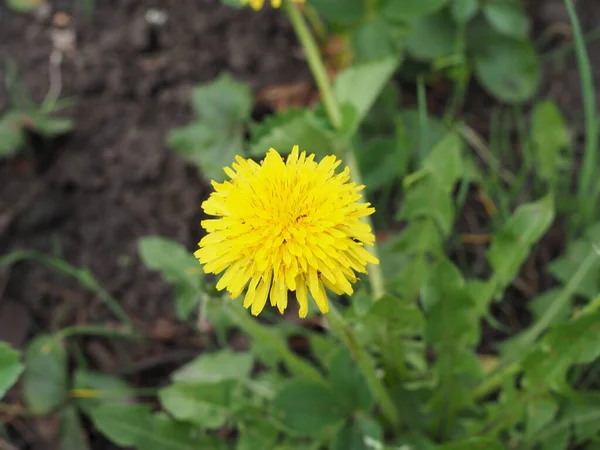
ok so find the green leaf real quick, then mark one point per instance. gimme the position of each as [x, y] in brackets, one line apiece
[550, 137]
[135, 426]
[223, 103]
[49, 126]
[377, 38]
[12, 138]
[381, 162]
[362, 434]
[464, 10]
[207, 405]
[410, 9]
[508, 68]
[360, 85]
[222, 108]
[436, 130]
[216, 367]
[72, 435]
[207, 147]
[507, 18]
[445, 161]
[511, 246]
[303, 129]
[257, 435]
[23, 5]
[341, 12]
[472, 444]
[399, 317]
[539, 413]
[45, 377]
[175, 264]
[348, 382]
[10, 367]
[432, 36]
[107, 389]
[307, 408]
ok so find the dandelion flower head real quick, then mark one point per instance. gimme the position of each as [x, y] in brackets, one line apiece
[286, 225]
[258, 4]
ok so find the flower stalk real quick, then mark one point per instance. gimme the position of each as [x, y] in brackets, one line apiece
[317, 67]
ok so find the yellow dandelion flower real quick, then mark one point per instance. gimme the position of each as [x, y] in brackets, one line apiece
[282, 226]
[258, 4]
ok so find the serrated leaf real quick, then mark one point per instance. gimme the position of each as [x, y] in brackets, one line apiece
[176, 265]
[45, 376]
[307, 407]
[303, 129]
[10, 367]
[360, 85]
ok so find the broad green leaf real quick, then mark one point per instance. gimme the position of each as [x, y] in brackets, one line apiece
[464, 10]
[544, 301]
[362, 434]
[307, 407]
[223, 103]
[507, 18]
[207, 405]
[348, 382]
[432, 36]
[400, 317]
[550, 137]
[507, 68]
[342, 12]
[377, 38]
[539, 413]
[168, 434]
[125, 424]
[304, 129]
[72, 435]
[12, 138]
[472, 444]
[177, 266]
[410, 9]
[436, 130]
[511, 246]
[216, 367]
[257, 435]
[212, 141]
[360, 85]
[427, 198]
[102, 389]
[10, 367]
[445, 161]
[381, 162]
[210, 148]
[45, 376]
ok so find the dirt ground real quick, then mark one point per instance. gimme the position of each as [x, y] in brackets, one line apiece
[89, 196]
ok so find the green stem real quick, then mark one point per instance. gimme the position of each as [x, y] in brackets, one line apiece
[589, 102]
[317, 67]
[364, 362]
[95, 330]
